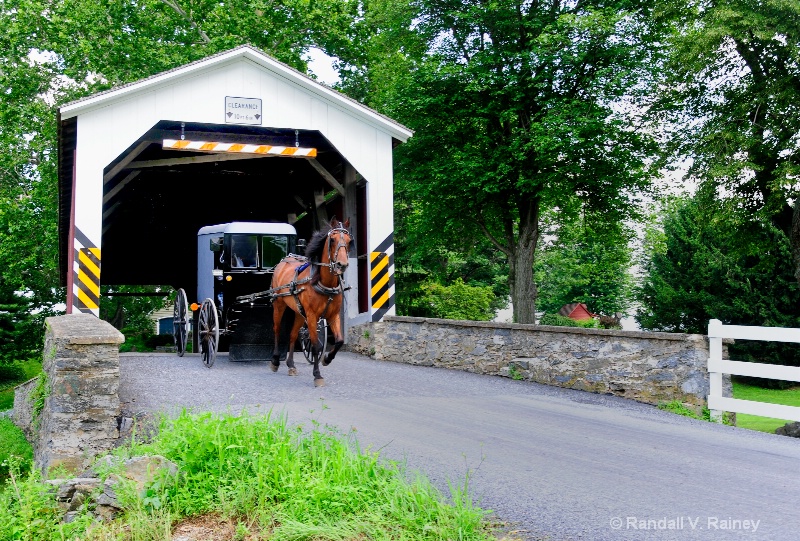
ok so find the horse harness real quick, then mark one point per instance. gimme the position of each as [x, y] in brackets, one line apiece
[294, 290]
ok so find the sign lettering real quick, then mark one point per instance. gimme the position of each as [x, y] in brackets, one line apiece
[243, 110]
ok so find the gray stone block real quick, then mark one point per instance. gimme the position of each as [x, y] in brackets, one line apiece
[81, 361]
[650, 367]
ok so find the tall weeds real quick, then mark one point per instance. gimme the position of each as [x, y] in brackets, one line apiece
[291, 483]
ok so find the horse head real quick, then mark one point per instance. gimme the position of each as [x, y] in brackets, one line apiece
[339, 242]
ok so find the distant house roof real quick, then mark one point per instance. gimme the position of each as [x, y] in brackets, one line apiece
[576, 310]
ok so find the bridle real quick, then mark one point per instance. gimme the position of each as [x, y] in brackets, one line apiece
[331, 264]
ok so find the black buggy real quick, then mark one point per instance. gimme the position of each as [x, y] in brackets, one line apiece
[235, 260]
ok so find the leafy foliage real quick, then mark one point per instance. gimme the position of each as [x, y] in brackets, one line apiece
[13, 446]
[131, 311]
[512, 107]
[283, 481]
[38, 398]
[679, 408]
[28, 190]
[428, 260]
[585, 259]
[21, 332]
[455, 301]
[13, 374]
[28, 510]
[709, 264]
[731, 90]
[563, 321]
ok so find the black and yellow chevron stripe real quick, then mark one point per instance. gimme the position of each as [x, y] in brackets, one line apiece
[86, 278]
[382, 278]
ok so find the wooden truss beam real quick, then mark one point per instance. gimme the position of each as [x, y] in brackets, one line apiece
[324, 173]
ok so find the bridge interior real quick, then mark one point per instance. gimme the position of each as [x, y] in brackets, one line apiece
[155, 199]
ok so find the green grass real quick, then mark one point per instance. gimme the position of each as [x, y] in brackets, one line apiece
[12, 443]
[679, 408]
[269, 479]
[26, 370]
[788, 397]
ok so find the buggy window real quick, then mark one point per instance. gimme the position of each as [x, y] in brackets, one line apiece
[273, 249]
[244, 251]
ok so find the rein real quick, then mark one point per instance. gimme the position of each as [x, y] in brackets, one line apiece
[331, 264]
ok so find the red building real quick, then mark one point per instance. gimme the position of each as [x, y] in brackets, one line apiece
[577, 311]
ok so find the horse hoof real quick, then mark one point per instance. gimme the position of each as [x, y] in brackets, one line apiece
[326, 361]
[274, 367]
[319, 382]
[293, 371]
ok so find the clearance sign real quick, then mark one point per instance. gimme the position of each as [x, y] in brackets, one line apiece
[243, 111]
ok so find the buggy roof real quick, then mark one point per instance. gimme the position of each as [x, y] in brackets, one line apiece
[254, 228]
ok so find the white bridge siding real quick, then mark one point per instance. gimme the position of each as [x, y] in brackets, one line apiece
[717, 366]
[109, 123]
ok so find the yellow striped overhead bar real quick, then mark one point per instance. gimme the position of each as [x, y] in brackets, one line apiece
[240, 148]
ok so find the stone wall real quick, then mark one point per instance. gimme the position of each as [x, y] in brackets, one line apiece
[649, 367]
[23, 407]
[81, 409]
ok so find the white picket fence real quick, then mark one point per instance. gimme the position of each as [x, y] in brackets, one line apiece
[718, 366]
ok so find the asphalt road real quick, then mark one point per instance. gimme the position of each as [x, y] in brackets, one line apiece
[557, 464]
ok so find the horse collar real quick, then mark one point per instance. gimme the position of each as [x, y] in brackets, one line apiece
[319, 288]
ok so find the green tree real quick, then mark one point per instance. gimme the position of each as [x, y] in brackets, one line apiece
[517, 108]
[20, 331]
[731, 90]
[585, 259]
[704, 263]
[123, 307]
[28, 191]
[441, 258]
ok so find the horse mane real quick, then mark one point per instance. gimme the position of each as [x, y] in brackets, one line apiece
[315, 247]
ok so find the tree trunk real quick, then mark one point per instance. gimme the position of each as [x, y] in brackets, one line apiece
[520, 250]
[523, 287]
[794, 240]
[118, 321]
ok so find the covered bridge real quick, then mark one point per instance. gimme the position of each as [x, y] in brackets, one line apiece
[238, 136]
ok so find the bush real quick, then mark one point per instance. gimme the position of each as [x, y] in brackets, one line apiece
[155, 340]
[11, 373]
[137, 340]
[610, 322]
[563, 321]
[457, 301]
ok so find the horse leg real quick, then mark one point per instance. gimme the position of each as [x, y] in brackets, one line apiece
[316, 350]
[334, 323]
[298, 323]
[318, 380]
[278, 307]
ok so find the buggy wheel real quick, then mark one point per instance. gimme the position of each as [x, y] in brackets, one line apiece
[180, 323]
[305, 341]
[208, 332]
[322, 337]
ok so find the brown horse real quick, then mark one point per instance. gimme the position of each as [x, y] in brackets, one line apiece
[312, 287]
